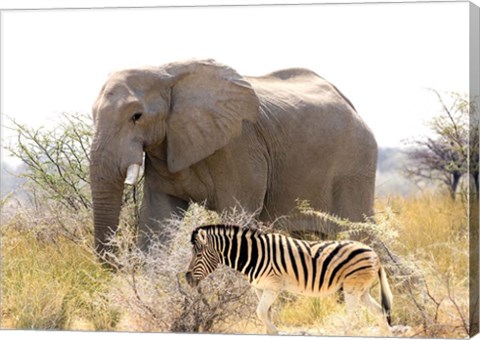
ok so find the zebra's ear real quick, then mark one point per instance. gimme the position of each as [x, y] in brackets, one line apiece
[202, 236]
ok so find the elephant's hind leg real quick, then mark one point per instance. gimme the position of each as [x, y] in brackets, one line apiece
[353, 197]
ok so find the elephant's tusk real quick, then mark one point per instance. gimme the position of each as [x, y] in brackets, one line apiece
[133, 173]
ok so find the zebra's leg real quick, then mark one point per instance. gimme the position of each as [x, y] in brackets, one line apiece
[266, 301]
[352, 304]
[259, 293]
[372, 305]
[376, 310]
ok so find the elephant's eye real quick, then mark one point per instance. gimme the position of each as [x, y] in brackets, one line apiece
[136, 116]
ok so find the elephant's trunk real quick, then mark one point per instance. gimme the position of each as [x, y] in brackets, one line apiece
[106, 212]
[110, 170]
[107, 193]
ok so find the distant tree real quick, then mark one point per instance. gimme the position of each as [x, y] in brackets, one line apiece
[450, 153]
[474, 146]
[10, 183]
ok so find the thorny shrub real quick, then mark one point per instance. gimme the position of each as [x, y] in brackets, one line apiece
[152, 287]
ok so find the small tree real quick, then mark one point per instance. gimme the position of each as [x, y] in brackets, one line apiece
[57, 159]
[56, 169]
[448, 154]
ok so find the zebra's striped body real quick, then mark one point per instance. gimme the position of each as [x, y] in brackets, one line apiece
[275, 262]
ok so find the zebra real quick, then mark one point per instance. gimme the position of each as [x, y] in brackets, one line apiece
[274, 262]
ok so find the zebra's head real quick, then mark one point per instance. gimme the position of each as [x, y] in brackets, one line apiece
[205, 257]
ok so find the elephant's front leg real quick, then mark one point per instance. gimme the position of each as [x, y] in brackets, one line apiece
[239, 180]
[156, 208]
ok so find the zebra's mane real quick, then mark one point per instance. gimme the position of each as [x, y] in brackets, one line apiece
[212, 228]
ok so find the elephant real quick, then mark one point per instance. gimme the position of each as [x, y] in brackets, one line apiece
[204, 133]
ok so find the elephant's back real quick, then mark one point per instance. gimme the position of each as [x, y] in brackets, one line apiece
[300, 90]
[301, 103]
[292, 78]
[291, 74]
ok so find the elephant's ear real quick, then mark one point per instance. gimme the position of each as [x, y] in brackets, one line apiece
[209, 103]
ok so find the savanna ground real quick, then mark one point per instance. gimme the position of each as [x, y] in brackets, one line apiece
[52, 280]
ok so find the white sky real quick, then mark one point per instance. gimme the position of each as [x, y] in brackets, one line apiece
[383, 57]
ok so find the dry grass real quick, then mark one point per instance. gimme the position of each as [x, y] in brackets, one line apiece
[51, 280]
[430, 233]
[434, 229]
[433, 236]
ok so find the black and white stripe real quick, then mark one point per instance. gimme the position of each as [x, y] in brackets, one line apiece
[275, 262]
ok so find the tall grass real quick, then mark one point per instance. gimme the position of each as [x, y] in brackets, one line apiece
[433, 234]
[52, 283]
[51, 279]
[432, 228]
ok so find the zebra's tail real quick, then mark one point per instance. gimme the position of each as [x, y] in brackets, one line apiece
[386, 295]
